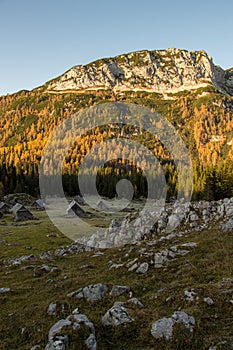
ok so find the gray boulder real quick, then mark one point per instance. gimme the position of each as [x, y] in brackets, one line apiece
[142, 268]
[135, 301]
[116, 316]
[163, 328]
[93, 292]
[209, 301]
[52, 309]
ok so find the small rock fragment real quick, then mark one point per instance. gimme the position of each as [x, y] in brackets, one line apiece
[4, 290]
[209, 301]
[136, 302]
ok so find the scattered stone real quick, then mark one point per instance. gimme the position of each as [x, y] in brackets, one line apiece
[116, 316]
[97, 254]
[189, 245]
[40, 270]
[115, 266]
[94, 292]
[133, 267]
[119, 290]
[19, 260]
[52, 309]
[191, 295]
[163, 328]
[46, 256]
[135, 301]
[142, 268]
[27, 267]
[4, 290]
[131, 262]
[160, 259]
[209, 301]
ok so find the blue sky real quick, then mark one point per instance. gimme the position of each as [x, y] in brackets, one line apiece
[42, 39]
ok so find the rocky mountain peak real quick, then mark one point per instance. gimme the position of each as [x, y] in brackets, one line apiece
[160, 71]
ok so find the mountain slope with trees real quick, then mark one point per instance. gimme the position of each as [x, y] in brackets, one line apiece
[203, 116]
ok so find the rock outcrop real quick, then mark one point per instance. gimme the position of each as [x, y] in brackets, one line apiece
[161, 71]
[198, 215]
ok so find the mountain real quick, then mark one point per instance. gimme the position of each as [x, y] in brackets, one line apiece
[186, 88]
[161, 71]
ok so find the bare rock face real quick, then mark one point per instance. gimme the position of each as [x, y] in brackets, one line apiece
[161, 71]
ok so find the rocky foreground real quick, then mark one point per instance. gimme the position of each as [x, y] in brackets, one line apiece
[172, 290]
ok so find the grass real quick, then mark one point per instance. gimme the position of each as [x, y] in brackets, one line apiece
[208, 269]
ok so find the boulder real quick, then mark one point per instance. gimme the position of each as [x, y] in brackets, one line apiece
[209, 301]
[135, 301]
[163, 328]
[142, 268]
[116, 316]
[58, 340]
[93, 292]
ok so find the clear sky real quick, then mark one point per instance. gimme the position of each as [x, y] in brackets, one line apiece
[40, 39]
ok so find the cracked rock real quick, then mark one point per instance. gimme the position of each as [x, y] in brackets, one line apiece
[116, 316]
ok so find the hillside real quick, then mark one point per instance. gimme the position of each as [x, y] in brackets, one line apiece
[47, 281]
[186, 88]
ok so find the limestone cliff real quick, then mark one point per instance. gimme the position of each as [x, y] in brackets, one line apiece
[162, 71]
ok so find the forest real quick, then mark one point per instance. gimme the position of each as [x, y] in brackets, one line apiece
[202, 117]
